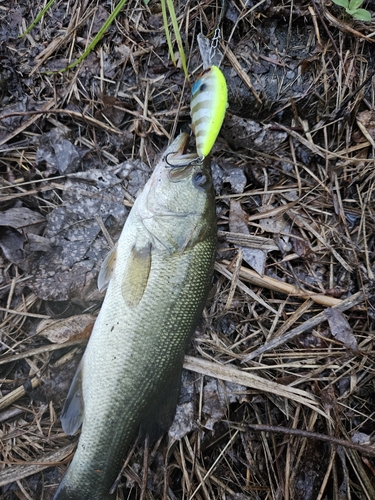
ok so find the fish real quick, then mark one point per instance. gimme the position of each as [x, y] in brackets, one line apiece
[158, 276]
[209, 96]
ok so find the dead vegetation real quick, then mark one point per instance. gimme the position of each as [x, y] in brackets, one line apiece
[278, 396]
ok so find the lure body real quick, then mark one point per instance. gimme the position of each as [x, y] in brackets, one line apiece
[208, 106]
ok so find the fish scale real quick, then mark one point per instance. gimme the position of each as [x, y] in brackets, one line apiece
[130, 373]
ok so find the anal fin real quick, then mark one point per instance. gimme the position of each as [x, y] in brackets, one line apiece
[72, 413]
[161, 411]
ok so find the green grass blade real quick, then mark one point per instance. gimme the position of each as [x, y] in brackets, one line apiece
[177, 34]
[38, 18]
[97, 37]
[166, 29]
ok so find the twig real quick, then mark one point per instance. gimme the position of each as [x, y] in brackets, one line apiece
[366, 450]
[238, 376]
[39, 350]
[18, 471]
[348, 303]
[279, 286]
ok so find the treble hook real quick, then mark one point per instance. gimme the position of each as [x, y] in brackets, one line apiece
[195, 162]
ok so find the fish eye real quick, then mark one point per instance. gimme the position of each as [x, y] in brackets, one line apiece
[201, 180]
[202, 87]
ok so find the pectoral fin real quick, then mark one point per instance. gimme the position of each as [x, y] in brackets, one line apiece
[72, 413]
[106, 269]
[136, 276]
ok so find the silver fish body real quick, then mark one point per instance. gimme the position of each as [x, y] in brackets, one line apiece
[159, 276]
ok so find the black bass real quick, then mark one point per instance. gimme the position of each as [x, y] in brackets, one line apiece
[158, 280]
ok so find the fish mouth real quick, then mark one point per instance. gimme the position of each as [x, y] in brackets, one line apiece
[175, 156]
[178, 146]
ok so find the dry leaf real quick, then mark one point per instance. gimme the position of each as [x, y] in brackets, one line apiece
[256, 258]
[366, 123]
[62, 330]
[341, 329]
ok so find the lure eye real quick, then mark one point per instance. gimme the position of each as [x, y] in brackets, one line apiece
[201, 180]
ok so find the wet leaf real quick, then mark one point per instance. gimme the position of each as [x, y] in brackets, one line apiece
[213, 404]
[185, 419]
[223, 173]
[302, 248]
[363, 439]
[56, 385]
[246, 133]
[11, 243]
[37, 243]
[309, 475]
[238, 224]
[62, 330]
[275, 225]
[111, 110]
[217, 396]
[78, 247]
[58, 152]
[328, 398]
[101, 15]
[24, 219]
[341, 329]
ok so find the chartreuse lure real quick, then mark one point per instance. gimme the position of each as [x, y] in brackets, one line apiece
[208, 105]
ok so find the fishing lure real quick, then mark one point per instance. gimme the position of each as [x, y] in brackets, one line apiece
[208, 105]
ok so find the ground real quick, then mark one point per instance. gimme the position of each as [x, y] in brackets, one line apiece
[277, 399]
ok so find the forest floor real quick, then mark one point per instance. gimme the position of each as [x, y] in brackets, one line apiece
[278, 395]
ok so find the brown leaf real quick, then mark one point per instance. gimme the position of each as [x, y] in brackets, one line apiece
[341, 329]
[62, 330]
[238, 224]
[367, 119]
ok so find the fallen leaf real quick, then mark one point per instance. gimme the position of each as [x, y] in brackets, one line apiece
[11, 243]
[256, 258]
[366, 123]
[341, 329]
[246, 133]
[185, 419]
[226, 174]
[62, 330]
[23, 219]
[58, 152]
[78, 247]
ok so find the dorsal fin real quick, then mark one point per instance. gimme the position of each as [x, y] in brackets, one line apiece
[136, 276]
[72, 413]
[106, 269]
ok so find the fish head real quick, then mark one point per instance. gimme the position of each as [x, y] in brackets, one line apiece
[179, 202]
